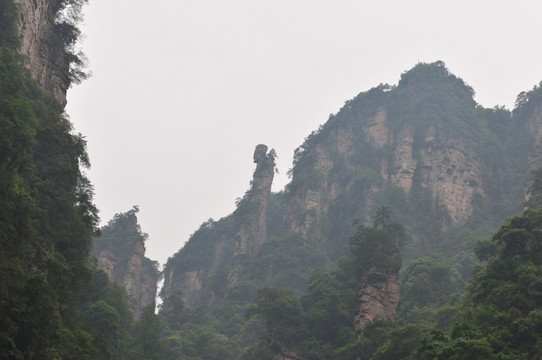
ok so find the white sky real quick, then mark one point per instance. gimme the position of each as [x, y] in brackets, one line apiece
[182, 91]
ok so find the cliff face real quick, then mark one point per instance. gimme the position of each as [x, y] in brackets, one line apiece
[378, 297]
[534, 126]
[444, 168]
[251, 226]
[121, 254]
[443, 165]
[43, 50]
[422, 148]
[226, 243]
[200, 280]
[251, 231]
[448, 168]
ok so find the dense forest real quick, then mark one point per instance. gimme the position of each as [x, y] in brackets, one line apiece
[411, 229]
[55, 302]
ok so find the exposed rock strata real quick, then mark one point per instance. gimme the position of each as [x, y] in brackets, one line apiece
[251, 226]
[378, 297]
[127, 265]
[534, 125]
[446, 168]
[241, 235]
[44, 57]
[306, 210]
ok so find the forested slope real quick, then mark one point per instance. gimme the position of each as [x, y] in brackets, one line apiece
[445, 168]
[54, 302]
[380, 247]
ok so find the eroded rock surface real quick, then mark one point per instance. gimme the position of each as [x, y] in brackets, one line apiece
[44, 57]
[251, 225]
[121, 254]
[378, 297]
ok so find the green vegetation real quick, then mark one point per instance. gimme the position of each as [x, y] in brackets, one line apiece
[65, 27]
[300, 293]
[46, 219]
[277, 307]
[121, 236]
[54, 302]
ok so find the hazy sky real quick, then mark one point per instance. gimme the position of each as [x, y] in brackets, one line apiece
[182, 91]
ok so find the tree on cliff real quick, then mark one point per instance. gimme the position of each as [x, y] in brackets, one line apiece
[378, 245]
[46, 221]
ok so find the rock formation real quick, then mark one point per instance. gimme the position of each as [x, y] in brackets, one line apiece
[43, 51]
[121, 254]
[378, 297]
[251, 229]
[424, 148]
[225, 243]
[190, 277]
[534, 126]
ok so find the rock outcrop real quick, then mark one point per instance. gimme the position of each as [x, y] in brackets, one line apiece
[225, 243]
[121, 254]
[378, 298]
[307, 209]
[534, 126]
[250, 217]
[448, 169]
[251, 230]
[43, 50]
[189, 277]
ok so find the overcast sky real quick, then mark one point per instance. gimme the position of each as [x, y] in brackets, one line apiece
[182, 91]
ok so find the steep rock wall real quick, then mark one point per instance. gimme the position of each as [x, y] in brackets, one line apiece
[251, 230]
[534, 126]
[225, 243]
[306, 210]
[446, 168]
[121, 254]
[378, 298]
[250, 216]
[190, 278]
[41, 47]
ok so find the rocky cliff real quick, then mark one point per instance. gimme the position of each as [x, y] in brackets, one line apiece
[378, 297]
[251, 215]
[423, 147]
[227, 243]
[198, 272]
[449, 170]
[120, 252]
[43, 47]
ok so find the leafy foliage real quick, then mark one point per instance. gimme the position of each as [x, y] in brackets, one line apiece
[46, 217]
[8, 29]
[122, 236]
[344, 164]
[67, 18]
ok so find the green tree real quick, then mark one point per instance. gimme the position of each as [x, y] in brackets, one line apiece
[281, 311]
[148, 342]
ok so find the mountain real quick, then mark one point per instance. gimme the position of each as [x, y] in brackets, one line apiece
[443, 164]
[449, 170]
